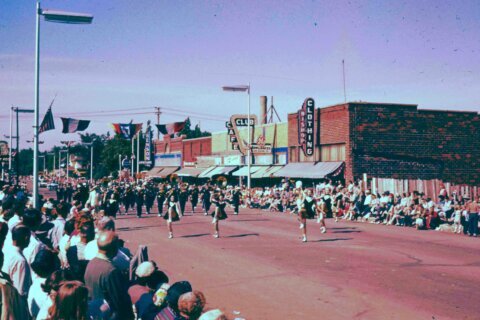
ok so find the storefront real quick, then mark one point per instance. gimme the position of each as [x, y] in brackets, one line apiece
[389, 141]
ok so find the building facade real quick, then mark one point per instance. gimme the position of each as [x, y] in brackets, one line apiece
[396, 141]
[273, 134]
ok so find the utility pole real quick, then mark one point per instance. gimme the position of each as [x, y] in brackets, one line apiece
[139, 135]
[158, 112]
[344, 85]
[10, 145]
[17, 155]
[90, 144]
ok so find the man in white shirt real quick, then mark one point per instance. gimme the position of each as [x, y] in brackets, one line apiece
[56, 233]
[32, 219]
[94, 198]
[15, 264]
[15, 220]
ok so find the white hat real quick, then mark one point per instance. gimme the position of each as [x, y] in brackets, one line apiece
[211, 315]
[145, 269]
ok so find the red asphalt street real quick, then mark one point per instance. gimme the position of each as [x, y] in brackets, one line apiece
[259, 268]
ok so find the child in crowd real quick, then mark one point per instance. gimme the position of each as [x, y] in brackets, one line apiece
[457, 219]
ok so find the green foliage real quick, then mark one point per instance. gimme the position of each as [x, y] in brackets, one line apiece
[193, 133]
[110, 154]
[25, 166]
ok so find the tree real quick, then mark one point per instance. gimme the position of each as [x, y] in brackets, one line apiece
[195, 133]
[25, 166]
[111, 151]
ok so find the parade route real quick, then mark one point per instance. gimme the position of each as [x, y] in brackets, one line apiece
[259, 268]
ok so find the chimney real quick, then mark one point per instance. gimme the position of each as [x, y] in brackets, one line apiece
[263, 110]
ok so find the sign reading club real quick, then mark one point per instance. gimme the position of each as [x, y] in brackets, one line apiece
[306, 126]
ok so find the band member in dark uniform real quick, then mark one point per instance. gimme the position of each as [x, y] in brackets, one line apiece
[139, 201]
[236, 196]
[194, 197]
[68, 193]
[219, 213]
[111, 207]
[128, 198]
[206, 201]
[60, 192]
[161, 199]
[182, 199]
[149, 197]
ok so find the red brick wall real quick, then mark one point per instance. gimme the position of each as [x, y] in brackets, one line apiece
[173, 144]
[399, 141]
[334, 124]
[192, 148]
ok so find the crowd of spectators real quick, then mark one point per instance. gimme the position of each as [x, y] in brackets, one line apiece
[451, 213]
[67, 262]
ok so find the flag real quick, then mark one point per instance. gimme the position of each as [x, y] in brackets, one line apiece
[171, 128]
[126, 130]
[73, 125]
[47, 123]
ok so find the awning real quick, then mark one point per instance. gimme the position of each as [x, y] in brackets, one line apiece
[205, 172]
[217, 171]
[323, 169]
[152, 172]
[296, 170]
[260, 172]
[243, 171]
[161, 172]
[308, 170]
[271, 171]
[190, 172]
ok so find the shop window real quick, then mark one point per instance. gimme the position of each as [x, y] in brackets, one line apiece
[333, 152]
[293, 154]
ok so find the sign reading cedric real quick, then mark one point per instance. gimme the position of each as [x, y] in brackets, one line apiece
[306, 125]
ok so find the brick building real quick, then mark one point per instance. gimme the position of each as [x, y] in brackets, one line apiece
[394, 141]
[184, 151]
[194, 148]
[172, 153]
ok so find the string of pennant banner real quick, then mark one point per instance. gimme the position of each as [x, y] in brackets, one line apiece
[125, 130]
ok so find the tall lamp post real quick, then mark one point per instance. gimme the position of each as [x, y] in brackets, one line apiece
[68, 143]
[90, 144]
[50, 16]
[244, 88]
[60, 158]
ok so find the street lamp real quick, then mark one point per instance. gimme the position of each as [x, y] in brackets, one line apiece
[60, 158]
[244, 88]
[51, 16]
[68, 143]
[90, 144]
